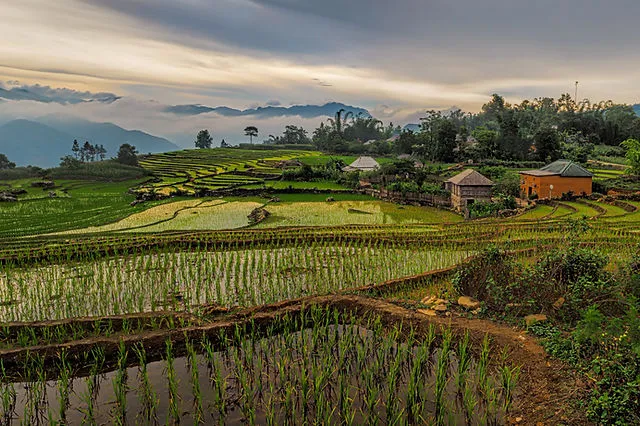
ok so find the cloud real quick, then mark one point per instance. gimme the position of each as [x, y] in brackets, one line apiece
[408, 53]
[13, 90]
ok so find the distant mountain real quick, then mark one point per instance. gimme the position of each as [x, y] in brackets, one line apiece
[43, 142]
[28, 142]
[415, 128]
[304, 111]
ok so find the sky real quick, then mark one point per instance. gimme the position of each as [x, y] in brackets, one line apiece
[395, 58]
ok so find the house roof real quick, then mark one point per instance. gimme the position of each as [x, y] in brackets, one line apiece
[564, 168]
[363, 163]
[470, 178]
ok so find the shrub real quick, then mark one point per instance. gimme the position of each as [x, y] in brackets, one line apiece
[100, 170]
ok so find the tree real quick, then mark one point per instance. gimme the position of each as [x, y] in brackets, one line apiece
[127, 154]
[70, 162]
[547, 144]
[101, 151]
[633, 154]
[251, 131]
[405, 143]
[5, 163]
[75, 148]
[364, 129]
[293, 135]
[224, 144]
[487, 141]
[446, 136]
[337, 123]
[204, 139]
[86, 151]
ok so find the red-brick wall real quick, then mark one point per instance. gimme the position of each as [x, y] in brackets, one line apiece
[541, 185]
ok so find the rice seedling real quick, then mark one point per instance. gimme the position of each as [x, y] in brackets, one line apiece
[174, 398]
[442, 367]
[509, 376]
[147, 396]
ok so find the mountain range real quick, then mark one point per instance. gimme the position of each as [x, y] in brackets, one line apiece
[44, 141]
[304, 111]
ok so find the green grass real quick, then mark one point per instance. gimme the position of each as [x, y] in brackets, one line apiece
[612, 211]
[538, 212]
[214, 216]
[86, 204]
[312, 213]
[582, 210]
[284, 184]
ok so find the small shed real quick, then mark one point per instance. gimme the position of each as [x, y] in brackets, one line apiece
[362, 164]
[555, 179]
[468, 187]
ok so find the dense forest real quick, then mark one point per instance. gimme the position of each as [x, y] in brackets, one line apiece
[542, 129]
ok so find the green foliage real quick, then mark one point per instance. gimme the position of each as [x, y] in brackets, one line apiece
[292, 135]
[487, 142]
[633, 154]
[491, 270]
[508, 185]
[603, 337]
[547, 144]
[84, 204]
[251, 131]
[127, 154]
[203, 139]
[607, 348]
[69, 162]
[481, 209]
[22, 173]
[5, 163]
[110, 171]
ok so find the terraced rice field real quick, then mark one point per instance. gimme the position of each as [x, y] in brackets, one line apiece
[352, 212]
[186, 280]
[215, 169]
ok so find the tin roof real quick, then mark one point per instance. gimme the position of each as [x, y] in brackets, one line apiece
[564, 168]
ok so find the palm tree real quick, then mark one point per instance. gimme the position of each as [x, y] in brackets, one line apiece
[251, 131]
[339, 120]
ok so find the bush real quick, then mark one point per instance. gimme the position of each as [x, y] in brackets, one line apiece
[22, 173]
[100, 170]
[600, 317]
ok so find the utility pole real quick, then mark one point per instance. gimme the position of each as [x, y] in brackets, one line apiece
[576, 97]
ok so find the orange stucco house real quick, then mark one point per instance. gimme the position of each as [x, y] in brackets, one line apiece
[555, 179]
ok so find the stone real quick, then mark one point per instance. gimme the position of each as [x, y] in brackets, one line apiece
[429, 300]
[428, 312]
[535, 318]
[7, 198]
[440, 308]
[558, 303]
[468, 302]
[476, 311]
